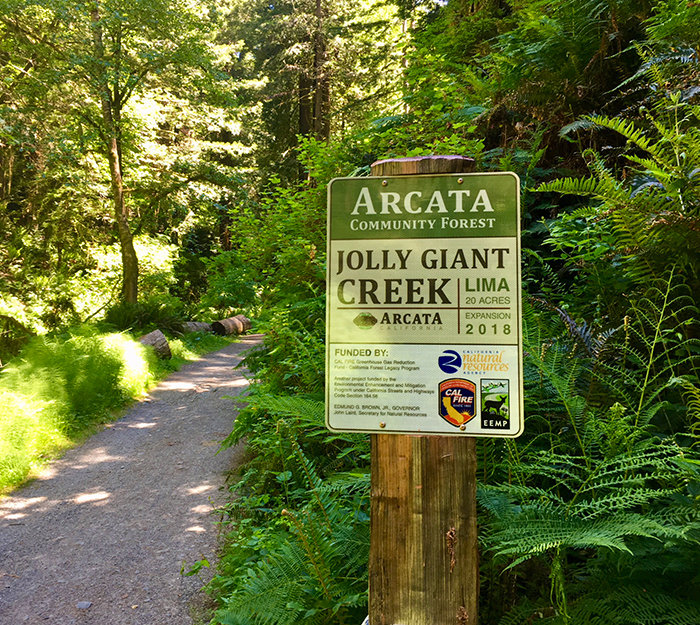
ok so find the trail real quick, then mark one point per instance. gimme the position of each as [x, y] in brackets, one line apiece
[101, 536]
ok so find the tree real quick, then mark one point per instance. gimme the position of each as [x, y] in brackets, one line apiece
[313, 68]
[48, 216]
[108, 51]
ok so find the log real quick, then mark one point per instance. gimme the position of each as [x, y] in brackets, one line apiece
[247, 323]
[195, 326]
[233, 325]
[158, 342]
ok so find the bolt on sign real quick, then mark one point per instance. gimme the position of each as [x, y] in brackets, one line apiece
[423, 305]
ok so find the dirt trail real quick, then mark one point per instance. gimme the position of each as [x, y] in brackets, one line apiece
[101, 536]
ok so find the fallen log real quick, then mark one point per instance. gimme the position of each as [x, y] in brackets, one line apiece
[195, 326]
[158, 342]
[233, 325]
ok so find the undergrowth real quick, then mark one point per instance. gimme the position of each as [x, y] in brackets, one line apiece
[297, 525]
[60, 388]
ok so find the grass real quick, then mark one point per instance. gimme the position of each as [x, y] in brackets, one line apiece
[60, 389]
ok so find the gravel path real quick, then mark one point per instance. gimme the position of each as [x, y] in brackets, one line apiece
[101, 536]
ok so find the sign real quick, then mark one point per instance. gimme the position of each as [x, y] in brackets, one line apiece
[423, 305]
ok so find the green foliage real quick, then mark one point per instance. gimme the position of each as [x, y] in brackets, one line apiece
[229, 286]
[60, 386]
[265, 421]
[600, 493]
[281, 237]
[316, 571]
[606, 523]
[13, 335]
[309, 69]
[672, 24]
[78, 370]
[591, 516]
[635, 231]
[299, 545]
[162, 85]
[562, 52]
[29, 433]
[93, 291]
[145, 316]
[294, 354]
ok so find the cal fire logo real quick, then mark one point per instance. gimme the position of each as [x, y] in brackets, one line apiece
[457, 401]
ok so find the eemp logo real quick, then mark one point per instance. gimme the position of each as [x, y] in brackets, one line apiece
[473, 361]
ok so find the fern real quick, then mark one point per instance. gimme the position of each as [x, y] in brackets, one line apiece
[318, 574]
[652, 223]
[603, 505]
[692, 397]
[310, 413]
[593, 492]
[582, 333]
[655, 353]
[643, 604]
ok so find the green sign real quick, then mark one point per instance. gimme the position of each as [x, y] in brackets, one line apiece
[423, 305]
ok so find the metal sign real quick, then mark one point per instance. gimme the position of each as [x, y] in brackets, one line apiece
[423, 305]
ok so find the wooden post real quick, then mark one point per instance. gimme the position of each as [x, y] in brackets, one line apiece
[423, 567]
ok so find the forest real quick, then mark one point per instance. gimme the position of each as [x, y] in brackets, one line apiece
[167, 160]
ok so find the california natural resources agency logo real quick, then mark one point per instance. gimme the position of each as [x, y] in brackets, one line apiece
[457, 397]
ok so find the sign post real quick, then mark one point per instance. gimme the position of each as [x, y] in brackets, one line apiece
[424, 338]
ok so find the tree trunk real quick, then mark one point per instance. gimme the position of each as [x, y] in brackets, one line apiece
[321, 81]
[111, 107]
[130, 263]
[305, 105]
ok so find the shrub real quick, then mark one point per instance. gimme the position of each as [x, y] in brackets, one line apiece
[230, 286]
[146, 316]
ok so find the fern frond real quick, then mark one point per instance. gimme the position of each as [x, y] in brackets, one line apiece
[521, 613]
[627, 129]
[592, 187]
[314, 484]
[576, 126]
[691, 394]
[534, 532]
[499, 500]
[309, 411]
[272, 590]
[582, 333]
[636, 604]
[601, 507]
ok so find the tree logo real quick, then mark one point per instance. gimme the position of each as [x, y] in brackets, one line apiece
[365, 321]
